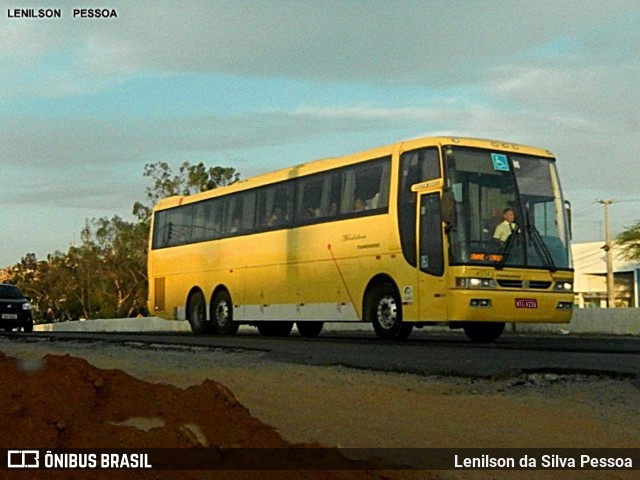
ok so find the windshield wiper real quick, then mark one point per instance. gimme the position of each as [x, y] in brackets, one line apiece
[540, 246]
[505, 250]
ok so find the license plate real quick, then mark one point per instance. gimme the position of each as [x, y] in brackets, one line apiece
[526, 303]
[9, 316]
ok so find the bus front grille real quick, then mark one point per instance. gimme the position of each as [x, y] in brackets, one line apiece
[525, 284]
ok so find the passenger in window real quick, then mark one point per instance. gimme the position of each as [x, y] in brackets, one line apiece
[372, 203]
[507, 227]
[276, 218]
[310, 213]
[236, 225]
[333, 209]
[359, 205]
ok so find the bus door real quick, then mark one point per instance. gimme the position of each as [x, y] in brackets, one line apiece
[431, 279]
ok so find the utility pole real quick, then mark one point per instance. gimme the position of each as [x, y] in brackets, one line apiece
[611, 294]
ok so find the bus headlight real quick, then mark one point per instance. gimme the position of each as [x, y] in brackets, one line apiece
[563, 287]
[475, 282]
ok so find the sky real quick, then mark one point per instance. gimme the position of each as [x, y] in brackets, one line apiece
[85, 103]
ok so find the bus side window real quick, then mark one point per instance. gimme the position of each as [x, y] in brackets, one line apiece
[372, 184]
[366, 186]
[248, 211]
[348, 196]
[333, 194]
[232, 215]
[274, 206]
[381, 197]
[160, 229]
[310, 194]
[180, 221]
[217, 210]
[204, 221]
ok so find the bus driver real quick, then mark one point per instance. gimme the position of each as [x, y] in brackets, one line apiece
[506, 227]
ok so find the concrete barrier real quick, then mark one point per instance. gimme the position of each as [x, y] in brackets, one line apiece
[140, 324]
[608, 321]
[615, 321]
[156, 324]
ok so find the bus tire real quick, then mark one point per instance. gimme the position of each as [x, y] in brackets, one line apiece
[384, 310]
[483, 332]
[275, 329]
[222, 314]
[198, 313]
[405, 331]
[309, 329]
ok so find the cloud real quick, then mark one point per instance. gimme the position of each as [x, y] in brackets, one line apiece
[437, 43]
[68, 152]
[316, 79]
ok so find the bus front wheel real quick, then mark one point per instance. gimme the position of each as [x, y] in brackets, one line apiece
[483, 332]
[222, 314]
[198, 313]
[384, 311]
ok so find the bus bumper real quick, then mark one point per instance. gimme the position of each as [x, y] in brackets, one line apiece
[513, 307]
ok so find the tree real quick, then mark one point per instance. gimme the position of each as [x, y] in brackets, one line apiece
[49, 283]
[106, 275]
[123, 254]
[629, 242]
[190, 179]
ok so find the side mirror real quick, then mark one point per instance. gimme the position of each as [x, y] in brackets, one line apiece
[449, 209]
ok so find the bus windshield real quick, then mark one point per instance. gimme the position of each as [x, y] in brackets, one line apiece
[509, 210]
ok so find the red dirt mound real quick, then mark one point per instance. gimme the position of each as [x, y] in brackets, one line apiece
[62, 402]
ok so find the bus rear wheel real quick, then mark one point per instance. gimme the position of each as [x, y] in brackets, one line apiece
[275, 329]
[222, 314]
[384, 310]
[198, 313]
[483, 332]
[309, 329]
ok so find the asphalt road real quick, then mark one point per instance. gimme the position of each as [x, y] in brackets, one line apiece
[424, 353]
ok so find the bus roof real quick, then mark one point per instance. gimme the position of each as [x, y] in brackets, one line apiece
[329, 163]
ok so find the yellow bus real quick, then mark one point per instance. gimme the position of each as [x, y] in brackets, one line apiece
[401, 236]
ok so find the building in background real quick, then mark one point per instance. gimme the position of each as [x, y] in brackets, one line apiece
[589, 260]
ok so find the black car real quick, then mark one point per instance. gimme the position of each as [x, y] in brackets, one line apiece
[15, 309]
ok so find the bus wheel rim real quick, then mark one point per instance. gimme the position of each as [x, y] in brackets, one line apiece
[222, 313]
[387, 312]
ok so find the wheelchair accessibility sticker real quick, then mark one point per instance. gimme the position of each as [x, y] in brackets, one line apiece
[500, 162]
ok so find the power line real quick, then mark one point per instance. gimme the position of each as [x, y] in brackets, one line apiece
[588, 255]
[585, 210]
